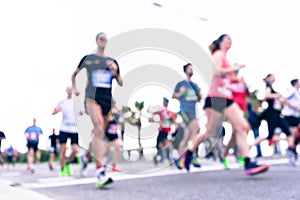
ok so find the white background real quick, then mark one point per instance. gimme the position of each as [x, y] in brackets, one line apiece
[42, 43]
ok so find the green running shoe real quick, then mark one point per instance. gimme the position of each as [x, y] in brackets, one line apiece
[69, 170]
[106, 181]
[196, 162]
[63, 172]
[225, 163]
[241, 161]
[177, 163]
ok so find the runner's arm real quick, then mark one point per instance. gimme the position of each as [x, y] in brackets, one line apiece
[180, 93]
[114, 69]
[218, 59]
[55, 111]
[271, 95]
[73, 79]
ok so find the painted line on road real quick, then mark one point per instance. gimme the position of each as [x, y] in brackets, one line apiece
[69, 181]
[10, 174]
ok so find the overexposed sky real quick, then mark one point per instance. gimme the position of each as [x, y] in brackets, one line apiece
[43, 41]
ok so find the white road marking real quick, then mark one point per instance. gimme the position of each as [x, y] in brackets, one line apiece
[9, 174]
[69, 181]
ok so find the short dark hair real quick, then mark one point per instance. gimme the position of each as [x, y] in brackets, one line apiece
[294, 81]
[186, 66]
[99, 35]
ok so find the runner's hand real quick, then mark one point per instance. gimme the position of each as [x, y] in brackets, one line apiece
[242, 66]
[76, 92]
[113, 69]
[181, 91]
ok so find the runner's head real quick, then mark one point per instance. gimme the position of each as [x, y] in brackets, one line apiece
[295, 83]
[101, 40]
[222, 43]
[188, 69]
[270, 78]
[69, 91]
[165, 101]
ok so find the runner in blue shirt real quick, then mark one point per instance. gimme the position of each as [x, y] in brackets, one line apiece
[32, 134]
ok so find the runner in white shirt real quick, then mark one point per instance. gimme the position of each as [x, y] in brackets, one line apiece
[67, 130]
[291, 108]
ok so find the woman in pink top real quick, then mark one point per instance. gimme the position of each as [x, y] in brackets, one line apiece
[219, 103]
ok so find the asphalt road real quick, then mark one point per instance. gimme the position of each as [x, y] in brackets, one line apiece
[142, 180]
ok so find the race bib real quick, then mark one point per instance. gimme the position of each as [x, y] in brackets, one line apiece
[166, 123]
[101, 78]
[112, 129]
[69, 124]
[33, 136]
[190, 95]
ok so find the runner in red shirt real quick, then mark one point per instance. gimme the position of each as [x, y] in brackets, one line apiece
[166, 119]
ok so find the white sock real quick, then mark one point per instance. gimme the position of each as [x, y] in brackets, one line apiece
[104, 160]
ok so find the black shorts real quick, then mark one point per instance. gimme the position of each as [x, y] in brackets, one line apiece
[9, 159]
[63, 137]
[32, 145]
[162, 136]
[217, 103]
[292, 121]
[111, 131]
[111, 137]
[105, 105]
[102, 97]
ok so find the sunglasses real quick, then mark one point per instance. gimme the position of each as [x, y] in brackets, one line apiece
[102, 38]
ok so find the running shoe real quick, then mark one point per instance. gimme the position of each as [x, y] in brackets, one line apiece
[103, 180]
[225, 163]
[69, 170]
[241, 161]
[196, 162]
[101, 184]
[62, 172]
[252, 168]
[82, 162]
[79, 160]
[291, 154]
[115, 169]
[177, 163]
[30, 170]
[271, 142]
[188, 159]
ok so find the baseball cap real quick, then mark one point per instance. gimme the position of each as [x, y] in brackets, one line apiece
[166, 99]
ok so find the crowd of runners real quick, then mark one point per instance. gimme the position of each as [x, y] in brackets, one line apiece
[227, 100]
